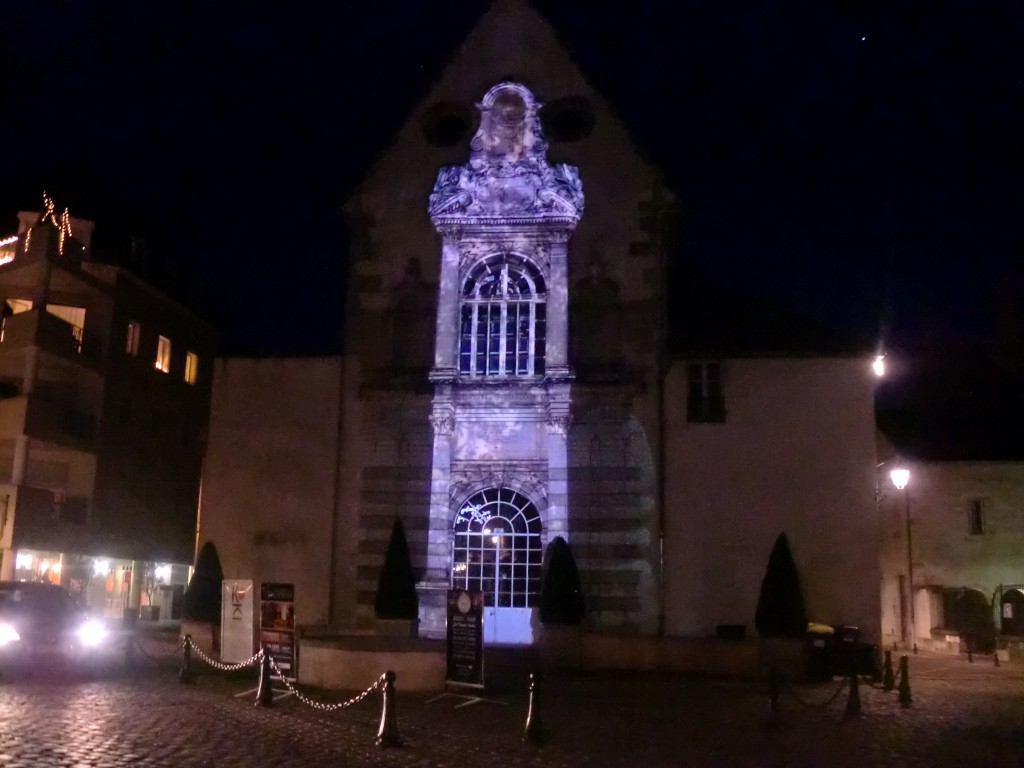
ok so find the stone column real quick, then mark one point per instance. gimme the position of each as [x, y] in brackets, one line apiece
[446, 336]
[556, 521]
[433, 589]
[557, 357]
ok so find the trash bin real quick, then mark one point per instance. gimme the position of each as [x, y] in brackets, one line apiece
[846, 652]
[819, 653]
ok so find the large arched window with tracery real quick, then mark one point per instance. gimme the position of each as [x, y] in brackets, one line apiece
[497, 548]
[502, 324]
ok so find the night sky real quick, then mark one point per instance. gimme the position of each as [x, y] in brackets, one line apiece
[859, 162]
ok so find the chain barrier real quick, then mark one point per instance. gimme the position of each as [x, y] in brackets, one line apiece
[161, 657]
[320, 705]
[813, 704]
[254, 659]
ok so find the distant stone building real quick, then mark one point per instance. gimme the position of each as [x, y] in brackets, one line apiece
[518, 368]
[953, 544]
[104, 398]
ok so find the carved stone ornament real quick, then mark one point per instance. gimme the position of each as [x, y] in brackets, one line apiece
[528, 481]
[559, 423]
[443, 423]
[508, 178]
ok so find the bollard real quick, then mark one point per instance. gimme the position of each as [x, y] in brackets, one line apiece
[773, 698]
[185, 674]
[853, 701]
[265, 689]
[888, 679]
[904, 692]
[129, 654]
[387, 734]
[995, 657]
[534, 731]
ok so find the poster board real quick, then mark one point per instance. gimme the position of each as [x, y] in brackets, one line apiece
[277, 626]
[464, 646]
[237, 620]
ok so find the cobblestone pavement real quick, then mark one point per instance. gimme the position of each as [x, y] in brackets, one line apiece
[962, 715]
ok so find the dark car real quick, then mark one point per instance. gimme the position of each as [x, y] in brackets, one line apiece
[42, 623]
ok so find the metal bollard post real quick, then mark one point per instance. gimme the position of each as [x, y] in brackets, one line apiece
[265, 689]
[773, 698]
[995, 657]
[185, 673]
[129, 654]
[970, 651]
[534, 731]
[888, 679]
[387, 734]
[853, 701]
[904, 693]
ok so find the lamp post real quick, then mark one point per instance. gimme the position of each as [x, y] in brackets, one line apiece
[901, 479]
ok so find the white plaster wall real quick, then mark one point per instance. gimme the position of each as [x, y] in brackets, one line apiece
[796, 454]
[269, 477]
[945, 554]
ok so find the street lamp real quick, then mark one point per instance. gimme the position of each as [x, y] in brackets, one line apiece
[901, 479]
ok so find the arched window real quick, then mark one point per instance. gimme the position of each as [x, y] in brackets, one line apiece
[497, 548]
[502, 330]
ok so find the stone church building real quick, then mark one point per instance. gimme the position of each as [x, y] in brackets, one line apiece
[520, 366]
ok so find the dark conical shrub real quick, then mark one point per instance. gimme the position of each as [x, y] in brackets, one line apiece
[780, 608]
[561, 597]
[396, 590]
[201, 601]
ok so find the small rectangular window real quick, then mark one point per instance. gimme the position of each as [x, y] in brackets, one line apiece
[704, 399]
[191, 367]
[132, 344]
[976, 517]
[163, 354]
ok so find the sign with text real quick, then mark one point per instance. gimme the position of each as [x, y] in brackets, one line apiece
[237, 620]
[464, 659]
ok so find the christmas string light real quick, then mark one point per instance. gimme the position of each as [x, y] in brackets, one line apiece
[63, 226]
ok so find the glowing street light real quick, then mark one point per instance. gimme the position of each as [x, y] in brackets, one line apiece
[878, 366]
[901, 478]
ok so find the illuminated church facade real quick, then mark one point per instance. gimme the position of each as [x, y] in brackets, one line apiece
[509, 377]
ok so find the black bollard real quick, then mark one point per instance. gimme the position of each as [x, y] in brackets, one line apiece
[888, 679]
[534, 731]
[265, 689]
[995, 657]
[185, 674]
[773, 698]
[129, 654]
[387, 734]
[904, 692]
[853, 701]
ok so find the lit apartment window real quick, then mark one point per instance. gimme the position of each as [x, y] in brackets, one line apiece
[132, 345]
[704, 399]
[163, 354]
[976, 517]
[191, 367]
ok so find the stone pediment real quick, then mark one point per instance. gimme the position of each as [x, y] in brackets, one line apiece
[508, 178]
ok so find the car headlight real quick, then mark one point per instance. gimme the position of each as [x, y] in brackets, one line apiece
[8, 635]
[91, 633]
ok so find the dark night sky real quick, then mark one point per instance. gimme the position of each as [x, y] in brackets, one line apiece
[859, 161]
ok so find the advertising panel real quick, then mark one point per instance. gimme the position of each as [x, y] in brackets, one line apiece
[464, 658]
[277, 625]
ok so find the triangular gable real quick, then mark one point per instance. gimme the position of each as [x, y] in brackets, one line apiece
[512, 41]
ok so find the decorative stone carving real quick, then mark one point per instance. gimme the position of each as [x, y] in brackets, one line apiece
[508, 178]
[559, 423]
[443, 423]
[525, 479]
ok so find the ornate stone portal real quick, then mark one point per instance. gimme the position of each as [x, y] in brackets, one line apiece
[502, 382]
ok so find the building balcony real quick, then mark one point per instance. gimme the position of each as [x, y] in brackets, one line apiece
[43, 507]
[47, 419]
[51, 334]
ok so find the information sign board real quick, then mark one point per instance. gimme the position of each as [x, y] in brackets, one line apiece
[277, 625]
[465, 638]
[237, 620]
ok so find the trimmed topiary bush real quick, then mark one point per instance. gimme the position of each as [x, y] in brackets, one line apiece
[780, 608]
[561, 597]
[201, 601]
[396, 590]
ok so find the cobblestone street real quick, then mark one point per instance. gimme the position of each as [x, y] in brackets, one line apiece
[962, 715]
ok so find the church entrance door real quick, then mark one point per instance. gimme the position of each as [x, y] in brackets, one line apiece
[497, 549]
